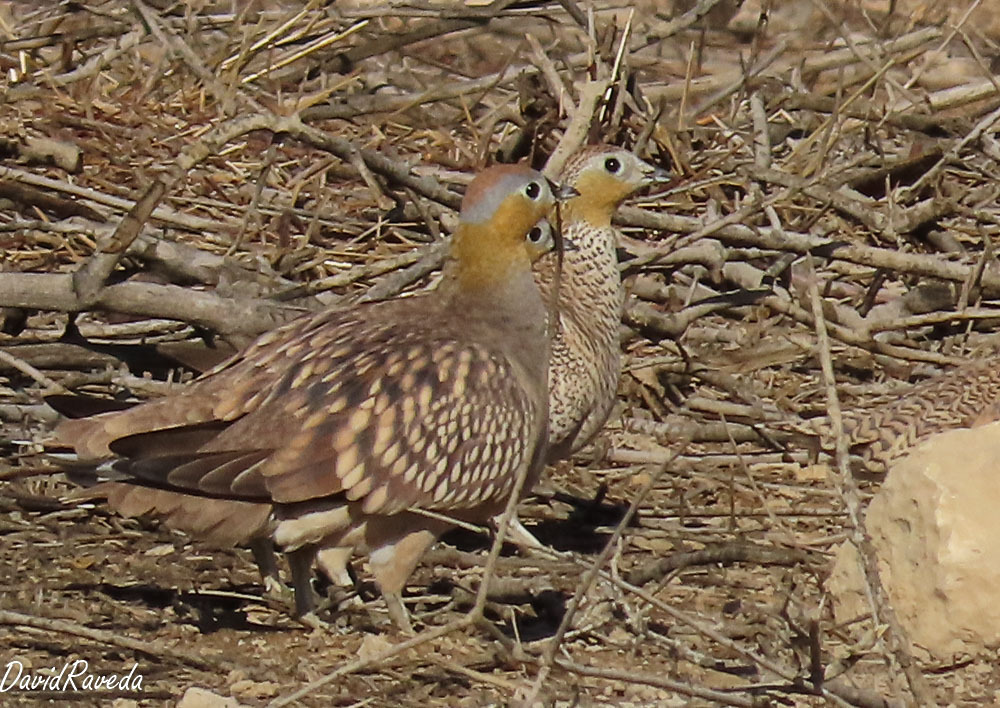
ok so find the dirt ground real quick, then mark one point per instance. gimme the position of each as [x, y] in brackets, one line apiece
[299, 155]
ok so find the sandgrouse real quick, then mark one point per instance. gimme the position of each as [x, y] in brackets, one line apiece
[586, 355]
[965, 397]
[586, 360]
[340, 428]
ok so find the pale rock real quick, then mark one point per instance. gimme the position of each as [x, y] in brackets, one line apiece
[935, 527]
[256, 691]
[372, 645]
[196, 697]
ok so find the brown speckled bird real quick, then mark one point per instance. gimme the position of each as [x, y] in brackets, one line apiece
[338, 429]
[586, 354]
[965, 397]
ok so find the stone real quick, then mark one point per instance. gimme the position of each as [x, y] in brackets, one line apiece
[935, 527]
[196, 697]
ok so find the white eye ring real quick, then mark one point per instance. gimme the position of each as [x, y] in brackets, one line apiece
[613, 165]
[533, 191]
[536, 234]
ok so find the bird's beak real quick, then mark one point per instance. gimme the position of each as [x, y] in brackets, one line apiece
[656, 175]
[563, 192]
[569, 244]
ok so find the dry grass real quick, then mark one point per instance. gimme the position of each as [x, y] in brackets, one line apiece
[255, 163]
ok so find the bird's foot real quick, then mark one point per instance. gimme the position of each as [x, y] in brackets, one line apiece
[398, 613]
[310, 620]
[276, 590]
[519, 535]
[338, 598]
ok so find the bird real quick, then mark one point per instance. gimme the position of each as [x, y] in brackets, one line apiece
[585, 355]
[877, 436]
[585, 359]
[368, 427]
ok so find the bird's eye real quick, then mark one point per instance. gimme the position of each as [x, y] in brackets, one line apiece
[533, 190]
[612, 165]
[537, 234]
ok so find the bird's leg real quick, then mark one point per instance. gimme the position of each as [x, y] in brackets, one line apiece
[300, 562]
[266, 560]
[397, 612]
[335, 564]
[602, 445]
[392, 562]
[518, 534]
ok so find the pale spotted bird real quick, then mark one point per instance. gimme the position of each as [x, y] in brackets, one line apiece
[586, 354]
[338, 429]
[877, 436]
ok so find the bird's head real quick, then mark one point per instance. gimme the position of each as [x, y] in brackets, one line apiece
[605, 176]
[502, 223]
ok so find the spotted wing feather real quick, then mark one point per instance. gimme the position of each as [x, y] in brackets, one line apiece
[392, 414]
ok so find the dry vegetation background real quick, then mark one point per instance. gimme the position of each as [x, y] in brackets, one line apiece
[290, 155]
